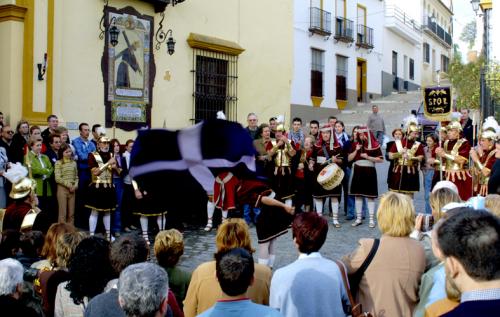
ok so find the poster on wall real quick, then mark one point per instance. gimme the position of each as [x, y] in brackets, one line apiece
[128, 69]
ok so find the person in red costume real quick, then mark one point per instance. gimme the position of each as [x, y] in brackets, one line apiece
[455, 155]
[484, 156]
[364, 154]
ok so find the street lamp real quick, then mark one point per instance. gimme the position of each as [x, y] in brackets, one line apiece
[475, 5]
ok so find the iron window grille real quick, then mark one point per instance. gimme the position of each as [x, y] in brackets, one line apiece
[215, 85]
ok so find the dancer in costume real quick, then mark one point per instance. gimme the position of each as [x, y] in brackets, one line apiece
[101, 192]
[274, 219]
[365, 153]
[282, 153]
[455, 153]
[327, 151]
[407, 155]
[484, 156]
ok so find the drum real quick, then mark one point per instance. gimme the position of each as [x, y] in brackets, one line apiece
[330, 177]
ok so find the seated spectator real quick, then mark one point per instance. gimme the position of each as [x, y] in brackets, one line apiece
[492, 203]
[470, 242]
[48, 254]
[235, 273]
[50, 279]
[439, 198]
[128, 249]
[11, 280]
[10, 243]
[310, 274]
[204, 290]
[31, 244]
[89, 272]
[389, 286]
[143, 290]
[169, 247]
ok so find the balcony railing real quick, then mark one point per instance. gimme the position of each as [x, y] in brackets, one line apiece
[434, 29]
[365, 37]
[401, 16]
[344, 29]
[320, 22]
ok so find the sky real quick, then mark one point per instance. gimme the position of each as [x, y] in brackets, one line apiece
[463, 14]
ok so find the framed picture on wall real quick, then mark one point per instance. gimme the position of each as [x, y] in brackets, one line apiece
[128, 69]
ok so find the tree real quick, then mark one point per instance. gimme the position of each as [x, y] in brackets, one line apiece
[469, 34]
[465, 80]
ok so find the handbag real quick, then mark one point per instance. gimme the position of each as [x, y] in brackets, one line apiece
[355, 278]
[356, 308]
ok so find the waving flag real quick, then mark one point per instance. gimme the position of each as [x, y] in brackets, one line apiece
[181, 165]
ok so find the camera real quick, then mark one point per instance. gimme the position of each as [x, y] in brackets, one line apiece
[30, 274]
[427, 222]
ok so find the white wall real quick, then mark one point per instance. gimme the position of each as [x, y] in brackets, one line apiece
[303, 42]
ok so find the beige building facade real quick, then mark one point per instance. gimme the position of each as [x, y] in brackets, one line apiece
[231, 55]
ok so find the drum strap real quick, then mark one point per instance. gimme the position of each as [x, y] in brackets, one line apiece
[325, 152]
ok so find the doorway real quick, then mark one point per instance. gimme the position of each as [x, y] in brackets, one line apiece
[361, 80]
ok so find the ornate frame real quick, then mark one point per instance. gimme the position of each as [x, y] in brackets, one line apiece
[128, 107]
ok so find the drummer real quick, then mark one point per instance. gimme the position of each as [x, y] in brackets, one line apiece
[364, 154]
[327, 151]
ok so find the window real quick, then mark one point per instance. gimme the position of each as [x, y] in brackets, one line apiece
[427, 53]
[215, 78]
[412, 69]
[445, 61]
[317, 73]
[341, 83]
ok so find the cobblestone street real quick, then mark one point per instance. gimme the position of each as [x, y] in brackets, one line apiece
[200, 246]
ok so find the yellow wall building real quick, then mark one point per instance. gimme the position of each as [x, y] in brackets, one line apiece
[257, 34]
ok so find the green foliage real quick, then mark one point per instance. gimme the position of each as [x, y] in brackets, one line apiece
[465, 80]
[469, 34]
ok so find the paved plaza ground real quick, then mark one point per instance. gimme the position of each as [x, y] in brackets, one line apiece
[200, 245]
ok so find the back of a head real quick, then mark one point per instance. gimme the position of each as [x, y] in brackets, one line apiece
[126, 250]
[492, 203]
[233, 234]
[169, 247]
[89, 268]
[142, 289]
[11, 275]
[441, 197]
[65, 247]
[234, 269]
[55, 231]
[309, 230]
[31, 243]
[396, 215]
[473, 238]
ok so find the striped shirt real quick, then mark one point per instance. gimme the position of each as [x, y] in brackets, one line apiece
[66, 173]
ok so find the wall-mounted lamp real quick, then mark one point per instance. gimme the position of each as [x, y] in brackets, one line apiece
[475, 5]
[162, 36]
[42, 67]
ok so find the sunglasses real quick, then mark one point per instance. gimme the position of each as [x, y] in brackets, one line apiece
[9, 132]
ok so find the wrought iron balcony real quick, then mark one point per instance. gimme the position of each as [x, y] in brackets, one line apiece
[436, 31]
[344, 29]
[365, 37]
[320, 22]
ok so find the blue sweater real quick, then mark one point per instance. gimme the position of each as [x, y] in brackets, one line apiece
[240, 308]
[311, 286]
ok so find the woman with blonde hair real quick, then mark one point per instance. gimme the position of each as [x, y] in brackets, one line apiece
[55, 231]
[65, 246]
[204, 289]
[389, 284]
[169, 247]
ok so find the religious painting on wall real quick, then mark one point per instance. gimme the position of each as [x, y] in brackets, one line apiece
[128, 69]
